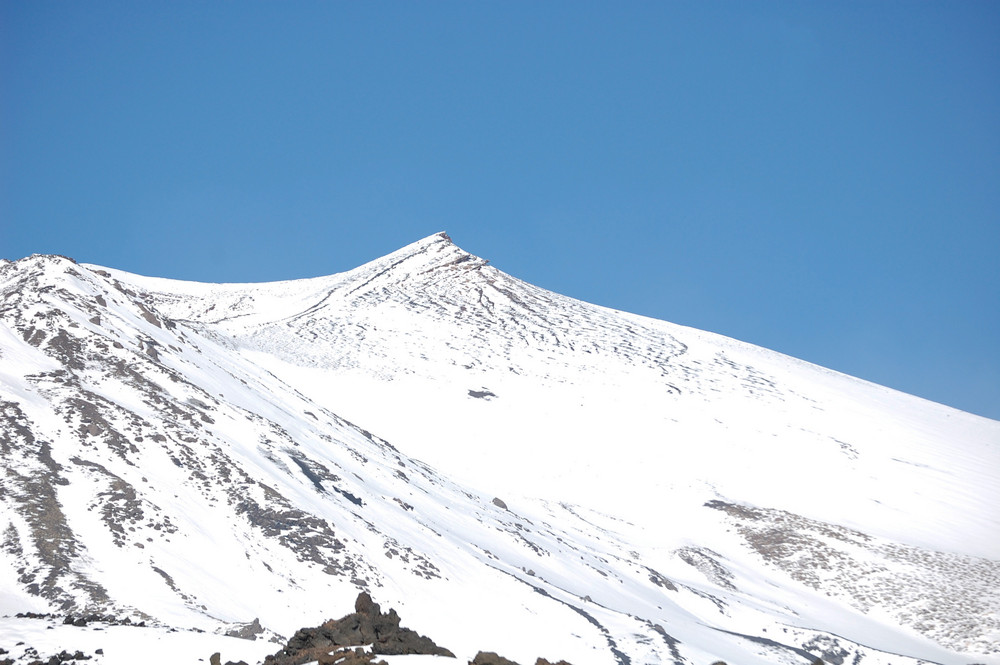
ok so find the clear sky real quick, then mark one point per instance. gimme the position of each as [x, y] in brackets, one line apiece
[820, 178]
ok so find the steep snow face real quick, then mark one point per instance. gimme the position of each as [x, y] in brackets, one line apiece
[512, 469]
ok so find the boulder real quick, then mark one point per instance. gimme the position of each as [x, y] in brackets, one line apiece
[490, 658]
[367, 625]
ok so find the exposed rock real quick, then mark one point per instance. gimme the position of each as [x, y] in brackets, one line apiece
[336, 641]
[490, 658]
[86, 619]
[365, 605]
[247, 631]
[57, 659]
[216, 659]
[350, 657]
[367, 625]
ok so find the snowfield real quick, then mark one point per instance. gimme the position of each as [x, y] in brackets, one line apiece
[510, 469]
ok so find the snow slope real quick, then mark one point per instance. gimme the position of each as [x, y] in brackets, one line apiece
[511, 469]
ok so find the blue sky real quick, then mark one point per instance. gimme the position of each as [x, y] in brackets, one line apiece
[820, 178]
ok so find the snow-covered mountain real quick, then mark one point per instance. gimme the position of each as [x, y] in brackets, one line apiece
[512, 469]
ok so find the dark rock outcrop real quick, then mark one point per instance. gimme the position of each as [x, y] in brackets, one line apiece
[367, 625]
[247, 631]
[59, 658]
[491, 658]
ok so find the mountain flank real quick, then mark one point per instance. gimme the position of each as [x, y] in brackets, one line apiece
[517, 472]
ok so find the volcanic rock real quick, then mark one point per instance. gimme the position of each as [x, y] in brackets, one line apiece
[367, 625]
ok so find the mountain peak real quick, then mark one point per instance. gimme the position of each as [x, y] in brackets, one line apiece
[430, 254]
[440, 240]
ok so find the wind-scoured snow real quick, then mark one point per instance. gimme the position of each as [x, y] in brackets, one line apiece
[512, 470]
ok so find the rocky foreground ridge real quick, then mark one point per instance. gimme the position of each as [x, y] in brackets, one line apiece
[367, 625]
[336, 641]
